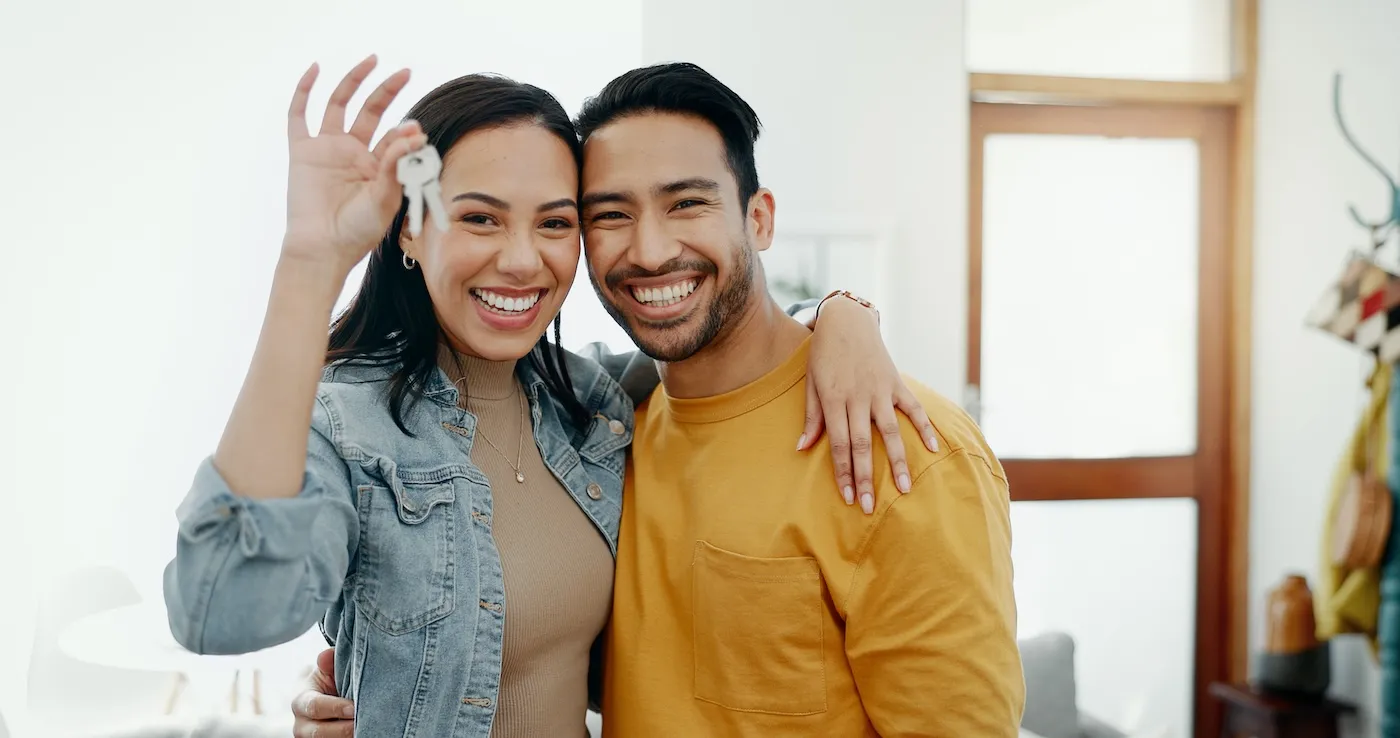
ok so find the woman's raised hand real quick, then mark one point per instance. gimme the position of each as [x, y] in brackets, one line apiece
[341, 194]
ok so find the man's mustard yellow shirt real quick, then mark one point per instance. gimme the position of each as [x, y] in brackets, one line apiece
[751, 601]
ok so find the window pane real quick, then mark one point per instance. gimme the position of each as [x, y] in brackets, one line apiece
[1089, 296]
[1139, 39]
[1119, 577]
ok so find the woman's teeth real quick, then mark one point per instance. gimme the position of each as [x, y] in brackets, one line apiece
[506, 304]
[663, 296]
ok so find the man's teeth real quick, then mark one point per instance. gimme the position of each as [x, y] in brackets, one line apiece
[663, 296]
[506, 304]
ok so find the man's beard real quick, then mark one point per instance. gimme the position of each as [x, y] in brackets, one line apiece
[675, 343]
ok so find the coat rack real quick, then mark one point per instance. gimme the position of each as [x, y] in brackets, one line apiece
[1362, 306]
[1380, 230]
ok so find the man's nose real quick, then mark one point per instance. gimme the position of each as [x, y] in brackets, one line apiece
[652, 246]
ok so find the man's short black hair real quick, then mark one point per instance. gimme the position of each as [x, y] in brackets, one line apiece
[684, 88]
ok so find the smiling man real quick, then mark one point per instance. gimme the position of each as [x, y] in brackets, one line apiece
[750, 608]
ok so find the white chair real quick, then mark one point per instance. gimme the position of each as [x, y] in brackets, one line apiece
[67, 695]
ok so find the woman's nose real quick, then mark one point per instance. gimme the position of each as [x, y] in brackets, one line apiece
[520, 257]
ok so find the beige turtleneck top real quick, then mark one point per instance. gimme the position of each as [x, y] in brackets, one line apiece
[558, 571]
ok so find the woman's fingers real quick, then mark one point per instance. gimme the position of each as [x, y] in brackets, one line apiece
[888, 426]
[862, 453]
[406, 138]
[834, 413]
[402, 130]
[812, 423]
[296, 113]
[334, 120]
[914, 410]
[367, 122]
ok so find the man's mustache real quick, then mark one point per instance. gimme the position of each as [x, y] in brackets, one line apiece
[617, 277]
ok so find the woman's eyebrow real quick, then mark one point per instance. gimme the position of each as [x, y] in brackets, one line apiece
[494, 202]
[563, 202]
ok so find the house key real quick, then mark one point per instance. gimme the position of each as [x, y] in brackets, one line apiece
[418, 173]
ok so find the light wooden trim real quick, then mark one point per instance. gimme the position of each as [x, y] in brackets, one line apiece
[1238, 94]
[1245, 50]
[1034, 88]
[1210, 474]
[1059, 480]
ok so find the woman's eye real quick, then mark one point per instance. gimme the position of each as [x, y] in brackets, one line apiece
[479, 219]
[555, 223]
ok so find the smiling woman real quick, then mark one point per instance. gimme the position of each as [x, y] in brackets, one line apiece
[516, 249]
[510, 180]
[405, 510]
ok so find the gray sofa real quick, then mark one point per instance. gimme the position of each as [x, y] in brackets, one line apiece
[1052, 710]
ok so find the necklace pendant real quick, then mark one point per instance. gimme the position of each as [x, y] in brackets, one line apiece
[520, 477]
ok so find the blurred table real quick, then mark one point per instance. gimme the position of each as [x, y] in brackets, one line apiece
[138, 637]
[1252, 712]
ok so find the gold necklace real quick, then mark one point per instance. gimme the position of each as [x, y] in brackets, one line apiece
[519, 443]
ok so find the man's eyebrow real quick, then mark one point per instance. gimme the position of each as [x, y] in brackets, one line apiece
[494, 202]
[687, 185]
[597, 198]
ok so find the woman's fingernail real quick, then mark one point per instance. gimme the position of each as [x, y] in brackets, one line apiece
[849, 494]
[867, 503]
[348, 711]
[931, 441]
[801, 441]
[904, 483]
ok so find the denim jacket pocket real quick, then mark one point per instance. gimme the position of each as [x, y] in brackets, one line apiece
[406, 575]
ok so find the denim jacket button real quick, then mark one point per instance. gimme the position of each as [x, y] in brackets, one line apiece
[616, 427]
[594, 491]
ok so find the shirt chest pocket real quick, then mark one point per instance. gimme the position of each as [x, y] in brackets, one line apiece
[758, 632]
[407, 567]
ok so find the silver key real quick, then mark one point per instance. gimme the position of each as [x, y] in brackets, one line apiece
[418, 173]
[432, 193]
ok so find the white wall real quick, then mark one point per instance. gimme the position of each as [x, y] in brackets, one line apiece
[141, 235]
[1307, 386]
[864, 108]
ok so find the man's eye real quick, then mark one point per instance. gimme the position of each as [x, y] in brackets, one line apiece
[687, 204]
[610, 215]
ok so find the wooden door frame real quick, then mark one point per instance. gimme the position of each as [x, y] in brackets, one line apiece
[1208, 475]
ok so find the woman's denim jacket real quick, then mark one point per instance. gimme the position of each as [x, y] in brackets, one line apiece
[388, 544]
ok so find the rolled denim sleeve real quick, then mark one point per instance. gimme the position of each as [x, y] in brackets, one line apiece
[252, 573]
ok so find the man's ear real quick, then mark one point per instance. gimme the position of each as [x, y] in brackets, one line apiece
[762, 210]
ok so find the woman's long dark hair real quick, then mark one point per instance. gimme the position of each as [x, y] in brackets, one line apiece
[391, 320]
